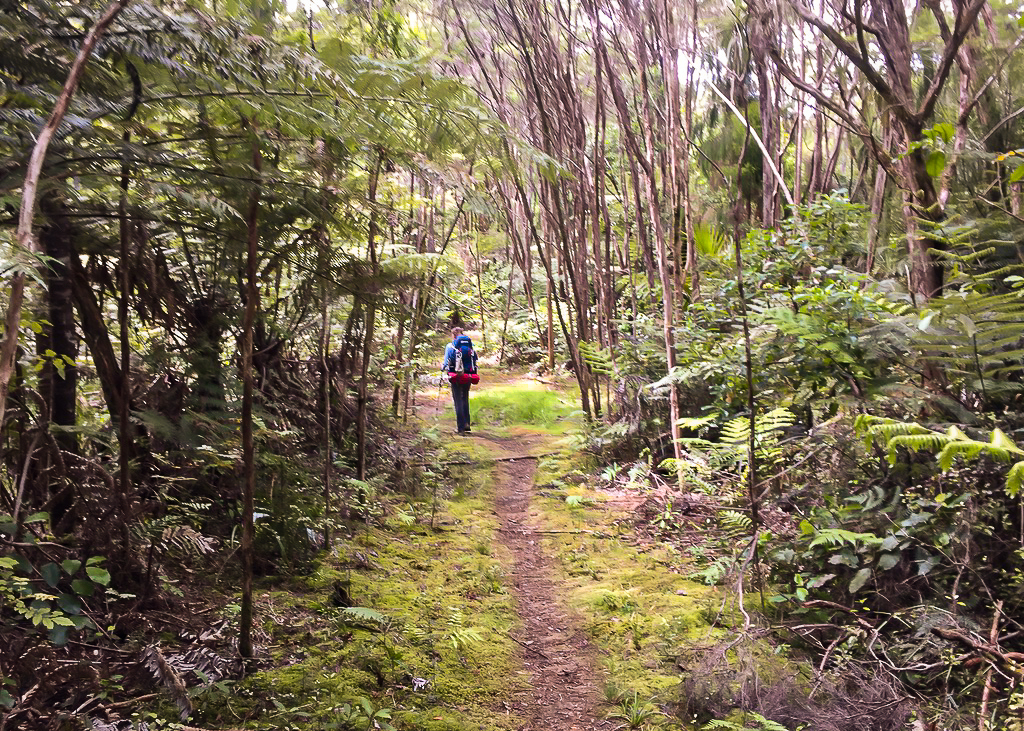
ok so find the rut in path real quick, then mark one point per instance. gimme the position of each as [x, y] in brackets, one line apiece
[563, 691]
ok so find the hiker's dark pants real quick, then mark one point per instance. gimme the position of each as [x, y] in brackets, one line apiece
[460, 395]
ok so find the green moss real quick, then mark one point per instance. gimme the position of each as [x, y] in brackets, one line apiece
[446, 616]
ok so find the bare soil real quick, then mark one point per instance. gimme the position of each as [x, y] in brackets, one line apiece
[563, 688]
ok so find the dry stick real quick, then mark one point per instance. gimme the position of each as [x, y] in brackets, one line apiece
[993, 638]
[21, 483]
[26, 241]
[531, 649]
[495, 459]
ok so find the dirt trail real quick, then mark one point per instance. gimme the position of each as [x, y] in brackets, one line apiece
[564, 684]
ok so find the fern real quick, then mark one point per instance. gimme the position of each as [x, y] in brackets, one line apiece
[840, 537]
[599, 360]
[766, 428]
[735, 523]
[762, 724]
[946, 445]
[154, 661]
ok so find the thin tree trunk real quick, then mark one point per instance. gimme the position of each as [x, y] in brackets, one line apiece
[248, 446]
[692, 264]
[371, 308]
[26, 241]
[125, 443]
[325, 394]
[479, 281]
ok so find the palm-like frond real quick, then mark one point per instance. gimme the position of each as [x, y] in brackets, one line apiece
[948, 445]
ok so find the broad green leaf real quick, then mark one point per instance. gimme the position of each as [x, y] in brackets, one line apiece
[888, 561]
[925, 565]
[859, 579]
[1017, 175]
[83, 587]
[890, 542]
[70, 566]
[844, 558]
[98, 575]
[59, 636]
[51, 574]
[916, 519]
[935, 163]
[1014, 478]
[819, 581]
[69, 603]
[945, 131]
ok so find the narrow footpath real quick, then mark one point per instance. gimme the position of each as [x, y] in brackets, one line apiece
[564, 682]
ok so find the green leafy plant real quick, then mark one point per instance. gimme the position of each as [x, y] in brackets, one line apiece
[752, 722]
[362, 715]
[949, 445]
[635, 713]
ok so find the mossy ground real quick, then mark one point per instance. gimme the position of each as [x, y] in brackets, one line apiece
[635, 603]
[446, 617]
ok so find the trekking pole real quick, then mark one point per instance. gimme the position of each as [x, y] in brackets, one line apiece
[437, 403]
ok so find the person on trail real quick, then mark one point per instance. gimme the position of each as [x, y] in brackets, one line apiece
[460, 367]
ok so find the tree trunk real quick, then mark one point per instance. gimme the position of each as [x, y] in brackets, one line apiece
[25, 239]
[371, 307]
[248, 447]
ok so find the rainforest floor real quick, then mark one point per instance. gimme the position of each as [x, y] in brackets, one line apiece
[512, 590]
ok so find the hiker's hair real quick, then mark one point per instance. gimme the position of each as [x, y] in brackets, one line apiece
[456, 331]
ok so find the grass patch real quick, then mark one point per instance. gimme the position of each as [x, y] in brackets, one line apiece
[522, 403]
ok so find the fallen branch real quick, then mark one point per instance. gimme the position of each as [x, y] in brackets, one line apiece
[132, 701]
[1010, 659]
[523, 644]
[596, 533]
[490, 459]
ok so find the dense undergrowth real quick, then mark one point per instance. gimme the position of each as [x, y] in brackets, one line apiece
[401, 623]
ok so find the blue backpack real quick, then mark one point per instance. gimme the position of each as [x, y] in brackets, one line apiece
[464, 355]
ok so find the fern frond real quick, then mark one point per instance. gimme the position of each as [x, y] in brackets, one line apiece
[929, 440]
[948, 445]
[188, 540]
[1014, 479]
[155, 662]
[840, 537]
[599, 360]
[364, 618]
[735, 523]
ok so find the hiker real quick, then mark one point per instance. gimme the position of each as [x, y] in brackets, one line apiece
[460, 366]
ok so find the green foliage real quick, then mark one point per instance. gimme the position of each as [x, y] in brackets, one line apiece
[751, 722]
[635, 713]
[597, 359]
[721, 458]
[46, 595]
[949, 445]
[362, 715]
